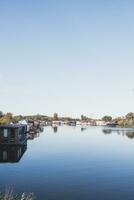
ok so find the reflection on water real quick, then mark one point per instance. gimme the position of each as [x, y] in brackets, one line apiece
[130, 135]
[122, 132]
[13, 147]
[67, 162]
[55, 129]
[12, 153]
[33, 135]
[83, 129]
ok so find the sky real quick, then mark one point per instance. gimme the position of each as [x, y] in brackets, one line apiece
[72, 57]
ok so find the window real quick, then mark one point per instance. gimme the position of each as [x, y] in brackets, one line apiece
[4, 155]
[12, 133]
[5, 132]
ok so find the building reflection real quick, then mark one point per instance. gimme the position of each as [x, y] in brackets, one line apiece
[33, 135]
[130, 135]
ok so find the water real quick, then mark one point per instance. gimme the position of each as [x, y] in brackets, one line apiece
[73, 163]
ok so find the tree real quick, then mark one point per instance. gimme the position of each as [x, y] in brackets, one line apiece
[107, 118]
[120, 121]
[55, 117]
[84, 118]
[130, 116]
[6, 119]
[18, 118]
[9, 116]
[129, 121]
[1, 114]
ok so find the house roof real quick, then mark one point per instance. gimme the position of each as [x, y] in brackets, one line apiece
[12, 126]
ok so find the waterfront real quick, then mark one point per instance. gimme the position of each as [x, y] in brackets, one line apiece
[74, 163]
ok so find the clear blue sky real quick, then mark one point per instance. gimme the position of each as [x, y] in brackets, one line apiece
[68, 56]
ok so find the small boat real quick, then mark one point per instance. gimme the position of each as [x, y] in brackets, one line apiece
[112, 124]
[72, 123]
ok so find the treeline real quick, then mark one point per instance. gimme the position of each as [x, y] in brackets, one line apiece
[125, 121]
[5, 118]
[9, 117]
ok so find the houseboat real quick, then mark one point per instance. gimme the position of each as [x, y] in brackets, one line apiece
[13, 134]
[112, 124]
[72, 123]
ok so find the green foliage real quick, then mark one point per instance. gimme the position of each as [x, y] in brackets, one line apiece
[84, 118]
[6, 119]
[120, 121]
[107, 118]
[130, 116]
[18, 118]
[127, 121]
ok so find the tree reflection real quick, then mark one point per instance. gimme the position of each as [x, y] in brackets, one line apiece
[55, 128]
[129, 134]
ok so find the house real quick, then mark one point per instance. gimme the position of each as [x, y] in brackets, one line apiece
[13, 134]
[57, 122]
[100, 122]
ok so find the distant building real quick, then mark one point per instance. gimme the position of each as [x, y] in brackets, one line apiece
[100, 122]
[24, 122]
[57, 122]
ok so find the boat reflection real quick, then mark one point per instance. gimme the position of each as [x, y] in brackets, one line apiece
[33, 135]
[12, 153]
[83, 129]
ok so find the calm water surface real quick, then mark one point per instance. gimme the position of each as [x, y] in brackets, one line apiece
[73, 163]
